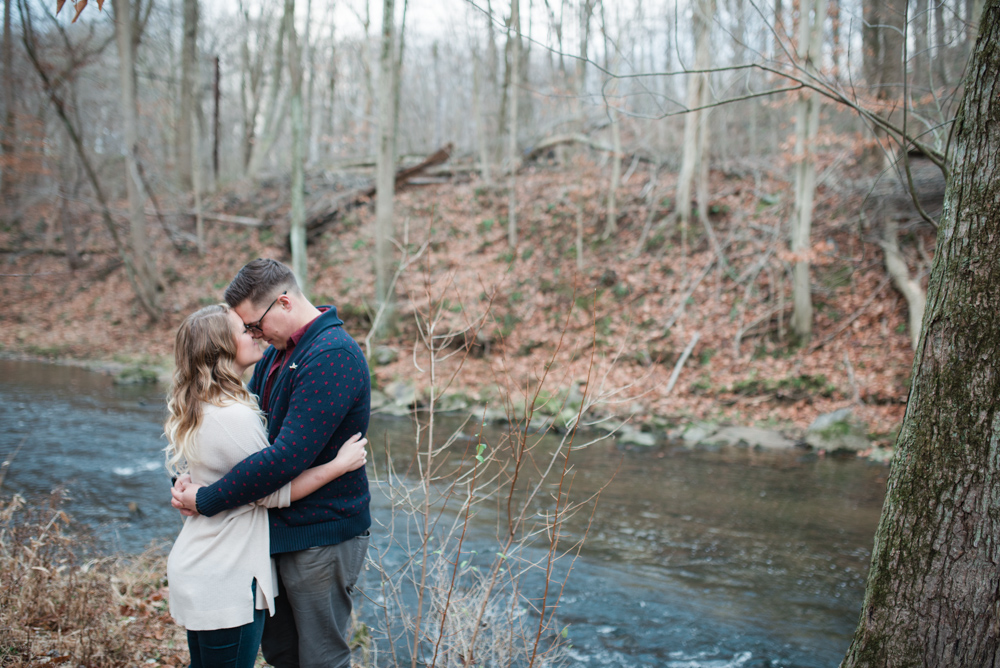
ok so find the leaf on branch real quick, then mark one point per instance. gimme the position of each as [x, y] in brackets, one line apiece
[79, 8]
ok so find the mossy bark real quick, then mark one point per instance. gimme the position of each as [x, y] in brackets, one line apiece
[933, 594]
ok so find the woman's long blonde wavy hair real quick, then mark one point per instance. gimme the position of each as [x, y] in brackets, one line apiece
[205, 372]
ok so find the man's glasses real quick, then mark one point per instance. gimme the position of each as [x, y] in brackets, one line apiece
[255, 327]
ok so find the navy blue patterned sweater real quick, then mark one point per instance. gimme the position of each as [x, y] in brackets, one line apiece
[320, 397]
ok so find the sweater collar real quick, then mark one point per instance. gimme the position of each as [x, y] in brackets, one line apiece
[326, 319]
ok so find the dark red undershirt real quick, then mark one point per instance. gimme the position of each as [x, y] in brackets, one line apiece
[281, 358]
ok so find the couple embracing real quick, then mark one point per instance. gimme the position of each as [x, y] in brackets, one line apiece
[271, 476]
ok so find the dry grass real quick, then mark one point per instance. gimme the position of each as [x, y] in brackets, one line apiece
[57, 606]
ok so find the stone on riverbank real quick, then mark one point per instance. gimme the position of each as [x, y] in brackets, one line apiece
[838, 430]
[631, 436]
[383, 355]
[401, 393]
[753, 437]
[698, 432]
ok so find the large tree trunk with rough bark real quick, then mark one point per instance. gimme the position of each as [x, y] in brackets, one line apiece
[933, 593]
[146, 279]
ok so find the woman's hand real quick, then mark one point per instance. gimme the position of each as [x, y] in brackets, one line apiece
[184, 494]
[352, 454]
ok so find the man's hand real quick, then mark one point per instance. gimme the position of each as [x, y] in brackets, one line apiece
[184, 494]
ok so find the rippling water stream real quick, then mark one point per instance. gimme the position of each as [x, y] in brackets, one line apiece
[696, 559]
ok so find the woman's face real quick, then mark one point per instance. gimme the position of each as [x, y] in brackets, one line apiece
[248, 352]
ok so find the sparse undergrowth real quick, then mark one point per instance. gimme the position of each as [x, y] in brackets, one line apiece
[60, 605]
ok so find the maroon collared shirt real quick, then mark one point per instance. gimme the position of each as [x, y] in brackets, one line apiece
[279, 360]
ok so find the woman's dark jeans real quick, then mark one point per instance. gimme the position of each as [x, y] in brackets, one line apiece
[227, 648]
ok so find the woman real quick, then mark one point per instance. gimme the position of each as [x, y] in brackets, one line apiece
[220, 571]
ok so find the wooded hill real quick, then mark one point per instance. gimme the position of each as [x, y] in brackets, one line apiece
[641, 295]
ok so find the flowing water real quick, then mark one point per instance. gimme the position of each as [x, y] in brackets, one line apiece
[695, 559]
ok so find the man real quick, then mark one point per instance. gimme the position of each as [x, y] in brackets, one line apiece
[314, 387]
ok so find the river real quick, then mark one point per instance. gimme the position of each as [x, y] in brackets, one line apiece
[727, 558]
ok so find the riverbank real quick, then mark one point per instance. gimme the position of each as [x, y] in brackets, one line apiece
[622, 315]
[839, 432]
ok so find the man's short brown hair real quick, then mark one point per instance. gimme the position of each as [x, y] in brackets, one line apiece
[258, 280]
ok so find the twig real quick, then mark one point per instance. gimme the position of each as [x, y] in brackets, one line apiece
[680, 307]
[6, 463]
[680, 363]
[855, 390]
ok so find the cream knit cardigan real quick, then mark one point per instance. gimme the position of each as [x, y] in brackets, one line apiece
[215, 559]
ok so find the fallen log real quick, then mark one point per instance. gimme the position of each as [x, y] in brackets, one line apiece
[328, 211]
[235, 220]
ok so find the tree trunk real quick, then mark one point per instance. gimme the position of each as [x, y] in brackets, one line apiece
[611, 225]
[512, 156]
[895, 265]
[920, 77]
[67, 175]
[385, 177]
[837, 46]
[147, 282]
[330, 118]
[397, 72]
[251, 75]
[871, 44]
[274, 113]
[308, 56]
[892, 34]
[586, 10]
[695, 122]
[934, 587]
[297, 221]
[438, 96]
[807, 124]
[8, 130]
[482, 132]
[940, 48]
[185, 114]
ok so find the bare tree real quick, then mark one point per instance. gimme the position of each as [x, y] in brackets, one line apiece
[513, 159]
[252, 75]
[274, 113]
[297, 228]
[147, 280]
[185, 115]
[7, 131]
[806, 126]
[386, 169]
[696, 121]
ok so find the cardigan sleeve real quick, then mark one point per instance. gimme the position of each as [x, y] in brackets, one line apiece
[246, 435]
[324, 388]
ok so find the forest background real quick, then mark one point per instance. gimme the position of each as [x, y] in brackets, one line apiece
[725, 180]
[702, 211]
